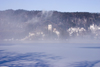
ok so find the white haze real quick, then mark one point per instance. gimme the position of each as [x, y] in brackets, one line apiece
[18, 25]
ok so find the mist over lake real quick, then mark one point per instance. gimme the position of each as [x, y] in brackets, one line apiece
[49, 39]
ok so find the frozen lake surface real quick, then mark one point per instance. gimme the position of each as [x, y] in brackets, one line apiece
[50, 55]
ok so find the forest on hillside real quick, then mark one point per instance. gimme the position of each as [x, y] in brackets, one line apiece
[21, 24]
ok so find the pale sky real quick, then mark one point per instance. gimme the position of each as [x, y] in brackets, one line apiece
[57, 5]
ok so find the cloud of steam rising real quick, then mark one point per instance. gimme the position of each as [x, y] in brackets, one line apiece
[43, 14]
[47, 14]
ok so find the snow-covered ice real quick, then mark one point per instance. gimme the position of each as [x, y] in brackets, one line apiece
[50, 55]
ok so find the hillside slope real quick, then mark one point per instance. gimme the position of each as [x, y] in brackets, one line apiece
[48, 25]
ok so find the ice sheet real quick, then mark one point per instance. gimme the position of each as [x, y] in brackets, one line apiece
[50, 55]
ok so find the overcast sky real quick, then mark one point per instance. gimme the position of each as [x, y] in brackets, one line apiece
[58, 5]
